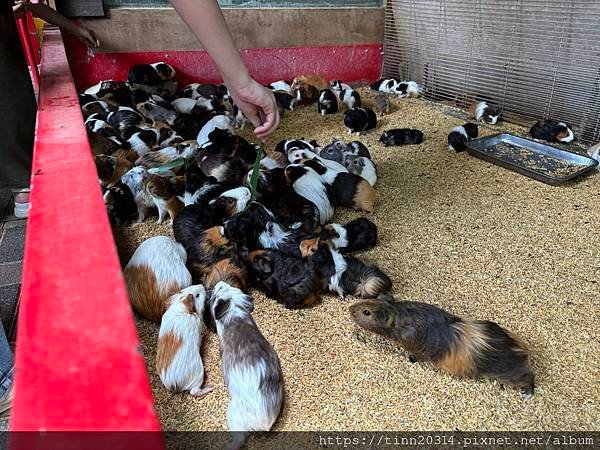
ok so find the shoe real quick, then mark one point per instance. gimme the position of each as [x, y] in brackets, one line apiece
[6, 403]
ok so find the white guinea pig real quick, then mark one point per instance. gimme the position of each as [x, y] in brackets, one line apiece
[251, 368]
[178, 361]
[134, 179]
[155, 272]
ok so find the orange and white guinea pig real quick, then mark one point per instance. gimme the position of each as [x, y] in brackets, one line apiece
[178, 361]
[316, 81]
[156, 271]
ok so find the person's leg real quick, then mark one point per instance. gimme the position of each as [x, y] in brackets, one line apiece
[17, 105]
[7, 362]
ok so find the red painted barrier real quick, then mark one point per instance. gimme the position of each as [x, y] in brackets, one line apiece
[348, 63]
[78, 361]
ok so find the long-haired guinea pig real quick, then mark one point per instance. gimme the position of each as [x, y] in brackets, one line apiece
[288, 145]
[551, 131]
[110, 169]
[154, 112]
[401, 136]
[287, 101]
[384, 85]
[346, 275]
[155, 272]
[231, 270]
[208, 248]
[120, 204]
[251, 368]
[358, 120]
[307, 95]
[407, 89]
[178, 361]
[195, 218]
[150, 73]
[309, 184]
[289, 280]
[253, 228]
[383, 103]
[462, 347]
[317, 81]
[135, 179]
[484, 112]
[459, 136]
[357, 235]
[220, 121]
[164, 194]
[362, 166]
[327, 103]
[350, 98]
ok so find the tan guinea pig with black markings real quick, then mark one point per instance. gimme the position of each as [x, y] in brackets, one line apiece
[164, 195]
[156, 271]
[110, 169]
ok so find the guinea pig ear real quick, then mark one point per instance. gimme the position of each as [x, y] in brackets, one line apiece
[221, 308]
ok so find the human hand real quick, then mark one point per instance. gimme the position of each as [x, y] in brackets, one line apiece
[87, 36]
[258, 105]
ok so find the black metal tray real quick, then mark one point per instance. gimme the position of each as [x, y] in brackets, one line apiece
[533, 159]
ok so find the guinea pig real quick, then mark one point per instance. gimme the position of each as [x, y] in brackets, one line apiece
[170, 138]
[220, 121]
[154, 112]
[350, 98]
[357, 148]
[226, 169]
[287, 101]
[197, 90]
[285, 146]
[144, 140]
[326, 168]
[282, 85]
[384, 85]
[383, 103]
[178, 361]
[594, 153]
[116, 93]
[135, 179]
[459, 136]
[334, 151]
[354, 191]
[357, 235]
[461, 347]
[101, 145]
[251, 368]
[102, 128]
[309, 184]
[164, 195]
[156, 271]
[126, 121]
[120, 205]
[150, 73]
[358, 120]
[551, 131]
[256, 227]
[346, 275]
[401, 136]
[483, 112]
[230, 270]
[362, 166]
[95, 106]
[327, 103]
[291, 281]
[208, 248]
[317, 81]
[307, 95]
[198, 185]
[127, 154]
[162, 156]
[189, 125]
[338, 85]
[110, 169]
[407, 89]
[184, 105]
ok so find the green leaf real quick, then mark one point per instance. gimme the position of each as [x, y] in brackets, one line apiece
[255, 172]
[171, 165]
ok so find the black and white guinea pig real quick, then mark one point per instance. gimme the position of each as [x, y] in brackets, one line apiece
[350, 98]
[286, 146]
[459, 136]
[197, 90]
[287, 101]
[338, 85]
[145, 140]
[357, 235]
[357, 148]
[401, 136]
[307, 94]
[309, 184]
[327, 103]
[150, 73]
[155, 112]
[484, 112]
[407, 89]
[334, 151]
[120, 205]
[185, 105]
[384, 85]
[126, 121]
[198, 186]
[219, 121]
[552, 131]
[358, 120]
[353, 191]
[95, 106]
[247, 227]
[363, 166]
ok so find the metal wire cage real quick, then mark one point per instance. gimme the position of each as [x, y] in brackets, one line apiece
[535, 59]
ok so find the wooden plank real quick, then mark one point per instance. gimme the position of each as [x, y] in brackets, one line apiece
[78, 361]
[161, 29]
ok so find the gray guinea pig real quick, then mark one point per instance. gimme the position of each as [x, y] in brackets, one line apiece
[362, 166]
[334, 151]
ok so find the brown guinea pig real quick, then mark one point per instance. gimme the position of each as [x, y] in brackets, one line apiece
[126, 153]
[101, 145]
[462, 347]
[230, 270]
[163, 191]
[110, 169]
[317, 81]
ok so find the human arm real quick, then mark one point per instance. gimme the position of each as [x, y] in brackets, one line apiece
[206, 21]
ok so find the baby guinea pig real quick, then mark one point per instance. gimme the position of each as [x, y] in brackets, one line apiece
[307, 95]
[401, 136]
[178, 361]
[110, 169]
[383, 103]
[551, 131]
[459, 136]
[483, 112]
[164, 194]
[250, 366]
[150, 73]
[461, 347]
[327, 103]
[357, 235]
[350, 98]
[362, 166]
[155, 272]
[334, 151]
[120, 204]
[358, 120]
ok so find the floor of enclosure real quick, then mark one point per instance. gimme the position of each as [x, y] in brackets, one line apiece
[456, 232]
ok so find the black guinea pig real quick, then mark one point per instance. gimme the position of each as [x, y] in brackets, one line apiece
[120, 205]
[327, 103]
[286, 100]
[401, 136]
[358, 120]
[150, 73]
[459, 136]
[552, 131]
